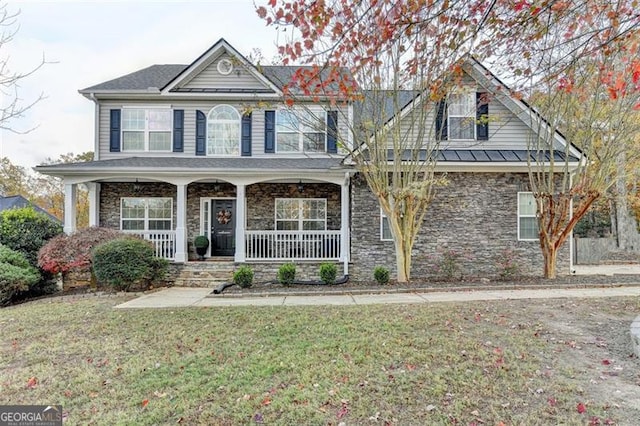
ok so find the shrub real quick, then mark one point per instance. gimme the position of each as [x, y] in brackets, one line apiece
[65, 253]
[243, 277]
[287, 274]
[26, 231]
[125, 262]
[201, 241]
[16, 274]
[328, 273]
[381, 275]
[507, 265]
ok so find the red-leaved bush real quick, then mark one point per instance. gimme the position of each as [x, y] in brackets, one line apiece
[66, 253]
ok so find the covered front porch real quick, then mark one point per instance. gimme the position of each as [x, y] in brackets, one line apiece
[274, 217]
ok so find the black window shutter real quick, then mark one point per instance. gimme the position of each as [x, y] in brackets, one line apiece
[201, 126]
[482, 113]
[114, 131]
[332, 132]
[246, 135]
[269, 131]
[441, 121]
[178, 130]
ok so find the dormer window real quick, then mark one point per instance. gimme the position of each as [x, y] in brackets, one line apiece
[223, 131]
[301, 131]
[146, 129]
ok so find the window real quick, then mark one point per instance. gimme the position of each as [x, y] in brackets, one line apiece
[301, 214]
[146, 214]
[146, 129]
[385, 230]
[527, 220]
[301, 131]
[223, 131]
[462, 116]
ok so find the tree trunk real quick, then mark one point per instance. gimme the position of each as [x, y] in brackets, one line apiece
[403, 261]
[550, 255]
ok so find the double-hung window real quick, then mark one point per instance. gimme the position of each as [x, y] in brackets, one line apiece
[301, 130]
[527, 219]
[461, 116]
[146, 129]
[301, 214]
[385, 230]
[146, 214]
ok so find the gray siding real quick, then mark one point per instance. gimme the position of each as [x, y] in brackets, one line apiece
[210, 78]
[190, 108]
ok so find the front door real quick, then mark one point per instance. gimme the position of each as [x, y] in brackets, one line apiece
[223, 225]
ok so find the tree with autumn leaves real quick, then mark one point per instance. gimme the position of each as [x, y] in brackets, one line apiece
[395, 48]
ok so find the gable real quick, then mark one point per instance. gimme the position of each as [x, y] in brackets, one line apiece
[221, 69]
[210, 78]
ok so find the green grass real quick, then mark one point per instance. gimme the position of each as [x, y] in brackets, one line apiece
[415, 364]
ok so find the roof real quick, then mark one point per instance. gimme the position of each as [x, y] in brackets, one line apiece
[18, 202]
[245, 164]
[487, 155]
[154, 76]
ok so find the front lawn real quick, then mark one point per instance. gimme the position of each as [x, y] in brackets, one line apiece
[516, 362]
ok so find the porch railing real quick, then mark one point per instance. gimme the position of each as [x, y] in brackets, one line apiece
[164, 242]
[293, 245]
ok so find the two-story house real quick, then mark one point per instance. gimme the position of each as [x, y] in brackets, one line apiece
[210, 148]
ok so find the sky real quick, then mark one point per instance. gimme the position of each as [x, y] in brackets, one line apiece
[89, 42]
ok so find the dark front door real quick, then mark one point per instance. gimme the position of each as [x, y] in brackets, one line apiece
[223, 227]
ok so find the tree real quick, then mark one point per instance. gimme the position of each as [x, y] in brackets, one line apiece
[15, 180]
[49, 190]
[412, 53]
[595, 104]
[12, 106]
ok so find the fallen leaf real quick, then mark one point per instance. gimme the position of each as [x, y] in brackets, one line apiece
[552, 402]
[32, 382]
[144, 403]
[266, 401]
[606, 362]
[581, 408]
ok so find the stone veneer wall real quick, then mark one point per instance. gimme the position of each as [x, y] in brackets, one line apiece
[476, 214]
[260, 202]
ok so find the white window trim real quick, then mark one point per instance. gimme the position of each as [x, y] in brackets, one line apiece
[471, 92]
[519, 215]
[300, 219]
[228, 121]
[146, 131]
[146, 215]
[319, 112]
[383, 216]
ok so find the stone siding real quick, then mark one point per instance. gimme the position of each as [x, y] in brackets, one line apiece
[475, 215]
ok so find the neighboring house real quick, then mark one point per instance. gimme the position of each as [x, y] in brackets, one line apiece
[210, 149]
[18, 202]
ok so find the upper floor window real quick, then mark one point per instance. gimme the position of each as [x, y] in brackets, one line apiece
[223, 131]
[301, 131]
[301, 214]
[462, 115]
[527, 219]
[146, 129]
[146, 214]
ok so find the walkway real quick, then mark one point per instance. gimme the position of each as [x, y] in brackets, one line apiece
[176, 297]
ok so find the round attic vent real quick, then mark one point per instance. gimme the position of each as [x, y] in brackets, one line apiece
[225, 66]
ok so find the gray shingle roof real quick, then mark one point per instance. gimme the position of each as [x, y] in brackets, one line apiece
[207, 163]
[153, 76]
[18, 202]
[488, 156]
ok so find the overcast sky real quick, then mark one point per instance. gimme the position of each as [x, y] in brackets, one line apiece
[88, 42]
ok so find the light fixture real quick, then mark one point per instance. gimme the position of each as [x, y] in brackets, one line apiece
[216, 186]
[137, 187]
[300, 187]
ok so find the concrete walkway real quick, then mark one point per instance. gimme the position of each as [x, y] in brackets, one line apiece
[177, 297]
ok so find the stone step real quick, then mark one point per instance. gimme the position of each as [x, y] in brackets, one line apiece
[199, 282]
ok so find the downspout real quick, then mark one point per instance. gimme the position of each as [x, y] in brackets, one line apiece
[96, 127]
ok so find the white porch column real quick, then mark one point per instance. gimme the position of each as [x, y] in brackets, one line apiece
[69, 207]
[241, 220]
[181, 224]
[94, 203]
[344, 224]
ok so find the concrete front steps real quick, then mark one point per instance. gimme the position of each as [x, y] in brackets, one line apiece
[207, 273]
